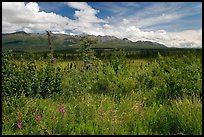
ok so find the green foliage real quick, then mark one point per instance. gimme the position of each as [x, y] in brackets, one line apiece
[117, 60]
[99, 114]
[182, 78]
[182, 116]
[27, 79]
[118, 96]
[88, 55]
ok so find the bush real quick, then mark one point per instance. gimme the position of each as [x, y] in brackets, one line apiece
[28, 79]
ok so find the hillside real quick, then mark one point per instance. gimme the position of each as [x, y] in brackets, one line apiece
[22, 41]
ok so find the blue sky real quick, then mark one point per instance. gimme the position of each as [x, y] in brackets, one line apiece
[192, 19]
[169, 23]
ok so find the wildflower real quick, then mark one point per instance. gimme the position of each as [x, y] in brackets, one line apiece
[19, 123]
[20, 118]
[102, 111]
[39, 117]
[61, 109]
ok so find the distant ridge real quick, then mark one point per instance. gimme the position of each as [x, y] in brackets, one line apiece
[22, 41]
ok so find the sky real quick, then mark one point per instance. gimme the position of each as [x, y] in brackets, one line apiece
[174, 24]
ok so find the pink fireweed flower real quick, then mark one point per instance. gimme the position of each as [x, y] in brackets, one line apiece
[63, 111]
[19, 123]
[60, 108]
[39, 117]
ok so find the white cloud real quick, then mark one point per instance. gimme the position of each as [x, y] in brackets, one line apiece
[188, 38]
[27, 17]
[85, 13]
[9, 27]
[62, 32]
[79, 5]
[86, 20]
[106, 26]
[152, 14]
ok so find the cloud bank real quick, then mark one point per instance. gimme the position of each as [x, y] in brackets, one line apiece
[18, 16]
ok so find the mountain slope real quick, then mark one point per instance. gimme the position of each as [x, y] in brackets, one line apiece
[21, 41]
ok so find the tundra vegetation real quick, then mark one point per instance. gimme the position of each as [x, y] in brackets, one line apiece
[113, 95]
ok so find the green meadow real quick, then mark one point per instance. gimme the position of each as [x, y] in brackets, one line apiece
[116, 95]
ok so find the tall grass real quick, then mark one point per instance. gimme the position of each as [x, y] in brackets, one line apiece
[119, 100]
[100, 114]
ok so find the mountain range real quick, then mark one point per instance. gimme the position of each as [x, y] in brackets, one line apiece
[22, 41]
